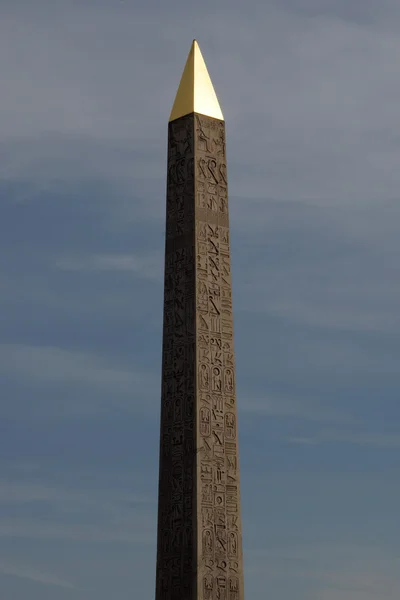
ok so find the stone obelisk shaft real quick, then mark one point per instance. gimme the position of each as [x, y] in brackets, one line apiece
[199, 551]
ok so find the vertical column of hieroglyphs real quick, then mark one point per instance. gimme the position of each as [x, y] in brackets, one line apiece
[175, 549]
[220, 568]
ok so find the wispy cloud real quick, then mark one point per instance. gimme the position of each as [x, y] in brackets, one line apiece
[147, 267]
[87, 513]
[49, 364]
[268, 406]
[19, 492]
[377, 440]
[138, 530]
[33, 575]
[52, 366]
[332, 571]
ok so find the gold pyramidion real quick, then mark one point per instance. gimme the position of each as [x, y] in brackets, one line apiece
[195, 92]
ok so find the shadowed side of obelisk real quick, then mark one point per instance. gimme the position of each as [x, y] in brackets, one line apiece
[176, 504]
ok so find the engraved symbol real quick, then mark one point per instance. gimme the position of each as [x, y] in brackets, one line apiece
[220, 144]
[233, 566]
[212, 189]
[223, 192]
[231, 448]
[202, 232]
[218, 410]
[222, 566]
[177, 437]
[222, 172]
[232, 467]
[204, 377]
[226, 327]
[218, 437]
[216, 357]
[208, 587]
[212, 203]
[228, 381]
[203, 323]
[233, 544]
[189, 407]
[219, 475]
[202, 247]
[225, 236]
[180, 170]
[220, 539]
[233, 588]
[231, 499]
[202, 297]
[205, 421]
[232, 522]
[204, 340]
[214, 266]
[228, 359]
[208, 545]
[207, 517]
[201, 200]
[215, 324]
[178, 409]
[211, 165]
[226, 267]
[206, 453]
[216, 342]
[219, 516]
[204, 355]
[206, 473]
[220, 592]
[202, 166]
[216, 379]
[213, 306]
[202, 138]
[212, 247]
[230, 426]
[206, 398]
[206, 494]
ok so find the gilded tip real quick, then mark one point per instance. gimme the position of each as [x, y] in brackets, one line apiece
[196, 92]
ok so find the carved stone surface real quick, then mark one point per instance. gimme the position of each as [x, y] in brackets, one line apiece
[199, 550]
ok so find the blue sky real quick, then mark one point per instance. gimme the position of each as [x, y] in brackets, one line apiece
[311, 96]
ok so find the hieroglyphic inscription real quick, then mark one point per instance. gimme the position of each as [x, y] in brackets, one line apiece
[176, 536]
[220, 549]
[199, 551]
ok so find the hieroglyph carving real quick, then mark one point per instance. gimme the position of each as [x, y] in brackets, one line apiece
[175, 551]
[199, 553]
[220, 553]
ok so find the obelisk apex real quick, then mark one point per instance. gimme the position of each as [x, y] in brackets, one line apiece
[199, 538]
[196, 93]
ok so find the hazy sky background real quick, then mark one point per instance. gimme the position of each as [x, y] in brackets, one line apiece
[310, 91]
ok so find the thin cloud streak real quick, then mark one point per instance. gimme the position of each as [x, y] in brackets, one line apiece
[376, 440]
[147, 267]
[270, 406]
[36, 576]
[50, 364]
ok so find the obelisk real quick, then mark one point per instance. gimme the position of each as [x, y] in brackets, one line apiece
[199, 545]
